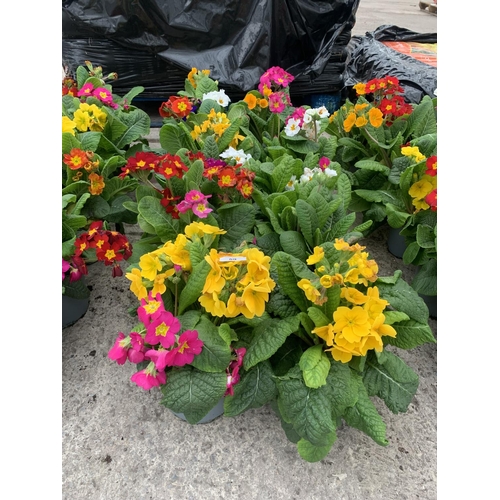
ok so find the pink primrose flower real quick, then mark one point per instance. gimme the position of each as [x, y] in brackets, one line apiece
[188, 346]
[324, 162]
[277, 102]
[65, 267]
[162, 330]
[194, 196]
[85, 90]
[150, 308]
[233, 375]
[136, 352]
[119, 350]
[158, 358]
[201, 210]
[103, 94]
[183, 206]
[149, 377]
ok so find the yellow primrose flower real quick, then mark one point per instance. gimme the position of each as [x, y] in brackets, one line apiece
[263, 103]
[254, 298]
[326, 281]
[82, 120]
[374, 305]
[251, 101]
[150, 265]
[420, 189]
[360, 107]
[214, 282]
[318, 255]
[200, 229]
[212, 304]
[136, 285]
[159, 282]
[325, 332]
[68, 125]
[311, 293]
[340, 244]
[349, 121]
[340, 354]
[352, 295]
[414, 152]
[361, 121]
[360, 88]
[352, 323]
[376, 117]
[379, 327]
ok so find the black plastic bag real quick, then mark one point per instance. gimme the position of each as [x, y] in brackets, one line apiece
[238, 41]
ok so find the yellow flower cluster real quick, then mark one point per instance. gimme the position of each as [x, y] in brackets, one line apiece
[358, 115]
[194, 74]
[237, 283]
[86, 117]
[216, 123]
[357, 326]
[170, 261]
[252, 101]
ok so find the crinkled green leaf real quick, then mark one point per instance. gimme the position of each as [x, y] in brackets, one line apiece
[410, 334]
[317, 316]
[311, 453]
[425, 281]
[315, 366]
[373, 165]
[216, 354]
[255, 388]
[402, 297]
[393, 381]
[192, 392]
[308, 220]
[237, 220]
[309, 410]
[152, 211]
[365, 417]
[268, 337]
[293, 243]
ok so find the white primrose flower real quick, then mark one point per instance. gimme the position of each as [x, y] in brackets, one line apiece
[329, 172]
[323, 112]
[219, 96]
[307, 118]
[292, 127]
[236, 154]
[290, 185]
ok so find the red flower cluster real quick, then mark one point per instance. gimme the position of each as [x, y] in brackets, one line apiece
[386, 95]
[229, 176]
[110, 247]
[176, 107]
[69, 87]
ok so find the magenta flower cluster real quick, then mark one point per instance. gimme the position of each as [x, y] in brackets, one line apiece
[101, 93]
[158, 342]
[197, 202]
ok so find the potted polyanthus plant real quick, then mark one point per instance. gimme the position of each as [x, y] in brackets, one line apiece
[262, 296]
[389, 149]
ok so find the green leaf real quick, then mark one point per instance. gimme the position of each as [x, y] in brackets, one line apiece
[425, 236]
[287, 356]
[268, 337]
[311, 453]
[154, 214]
[308, 220]
[210, 148]
[194, 286]
[425, 281]
[343, 387]
[192, 392]
[288, 279]
[374, 166]
[309, 410]
[315, 366]
[237, 220]
[395, 217]
[216, 354]
[318, 318]
[422, 120]
[393, 381]
[410, 334]
[402, 297]
[341, 227]
[364, 416]
[255, 388]
[344, 191]
[227, 333]
[194, 174]
[76, 289]
[90, 140]
[172, 138]
[293, 243]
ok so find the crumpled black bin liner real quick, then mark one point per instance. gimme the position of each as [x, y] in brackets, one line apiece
[369, 58]
[236, 40]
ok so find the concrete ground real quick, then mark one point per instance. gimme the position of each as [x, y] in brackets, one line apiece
[119, 443]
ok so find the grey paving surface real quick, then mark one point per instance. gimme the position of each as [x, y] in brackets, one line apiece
[119, 443]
